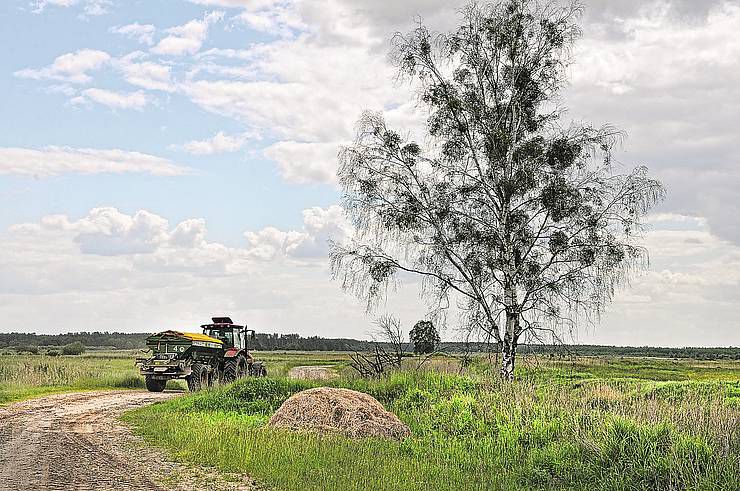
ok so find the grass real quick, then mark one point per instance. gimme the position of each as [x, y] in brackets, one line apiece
[25, 376]
[611, 424]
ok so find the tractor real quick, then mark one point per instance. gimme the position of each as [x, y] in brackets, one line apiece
[219, 355]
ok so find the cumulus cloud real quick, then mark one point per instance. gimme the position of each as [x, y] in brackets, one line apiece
[187, 38]
[70, 67]
[142, 33]
[112, 99]
[54, 161]
[656, 68]
[219, 143]
[319, 226]
[305, 162]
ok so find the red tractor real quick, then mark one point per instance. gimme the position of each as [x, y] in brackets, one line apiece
[237, 360]
[220, 354]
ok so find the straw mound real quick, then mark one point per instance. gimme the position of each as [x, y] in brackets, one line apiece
[345, 411]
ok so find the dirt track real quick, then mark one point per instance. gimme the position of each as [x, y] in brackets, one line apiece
[75, 441]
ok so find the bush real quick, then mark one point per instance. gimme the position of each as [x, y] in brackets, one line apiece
[52, 352]
[76, 348]
[34, 350]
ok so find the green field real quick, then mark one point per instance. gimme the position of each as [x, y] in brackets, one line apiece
[23, 375]
[590, 423]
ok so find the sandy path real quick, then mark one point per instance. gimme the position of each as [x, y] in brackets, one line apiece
[75, 441]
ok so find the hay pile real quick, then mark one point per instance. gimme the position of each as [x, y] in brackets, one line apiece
[351, 413]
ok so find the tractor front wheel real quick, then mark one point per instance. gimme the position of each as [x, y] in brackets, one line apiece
[154, 385]
[234, 368]
[198, 378]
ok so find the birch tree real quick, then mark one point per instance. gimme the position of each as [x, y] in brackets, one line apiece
[526, 223]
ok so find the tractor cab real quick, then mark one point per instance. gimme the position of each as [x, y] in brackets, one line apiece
[232, 335]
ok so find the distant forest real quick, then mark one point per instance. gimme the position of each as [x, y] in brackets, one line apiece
[294, 342]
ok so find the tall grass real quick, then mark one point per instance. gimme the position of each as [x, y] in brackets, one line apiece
[471, 432]
[23, 376]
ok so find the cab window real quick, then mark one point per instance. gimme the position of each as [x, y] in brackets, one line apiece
[226, 336]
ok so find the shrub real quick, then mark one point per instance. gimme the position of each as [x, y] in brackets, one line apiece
[34, 350]
[76, 348]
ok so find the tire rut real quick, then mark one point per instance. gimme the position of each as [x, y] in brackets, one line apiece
[76, 441]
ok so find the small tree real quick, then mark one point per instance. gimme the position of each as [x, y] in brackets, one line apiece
[523, 222]
[391, 332]
[76, 348]
[425, 337]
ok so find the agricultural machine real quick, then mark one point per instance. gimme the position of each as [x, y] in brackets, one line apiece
[219, 355]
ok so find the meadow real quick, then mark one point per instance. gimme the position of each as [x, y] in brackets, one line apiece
[588, 423]
[23, 376]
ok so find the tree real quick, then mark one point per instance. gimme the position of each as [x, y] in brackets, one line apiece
[425, 337]
[76, 348]
[390, 331]
[521, 220]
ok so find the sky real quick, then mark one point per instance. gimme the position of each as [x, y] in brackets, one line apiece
[162, 161]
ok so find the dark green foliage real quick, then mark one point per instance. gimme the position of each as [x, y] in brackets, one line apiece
[76, 348]
[424, 337]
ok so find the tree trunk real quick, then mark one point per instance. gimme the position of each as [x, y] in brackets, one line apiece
[508, 346]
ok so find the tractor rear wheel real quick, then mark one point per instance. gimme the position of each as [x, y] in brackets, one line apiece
[154, 385]
[234, 368]
[198, 378]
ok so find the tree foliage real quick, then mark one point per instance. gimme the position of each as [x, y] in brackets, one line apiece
[424, 337]
[76, 348]
[524, 222]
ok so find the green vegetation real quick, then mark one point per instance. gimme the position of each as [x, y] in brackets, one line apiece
[25, 376]
[23, 342]
[596, 424]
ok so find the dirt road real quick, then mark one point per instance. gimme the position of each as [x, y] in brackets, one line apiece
[75, 441]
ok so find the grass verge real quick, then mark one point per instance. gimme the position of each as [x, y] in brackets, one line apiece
[470, 433]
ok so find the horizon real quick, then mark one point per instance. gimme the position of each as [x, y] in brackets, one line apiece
[180, 159]
[370, 340]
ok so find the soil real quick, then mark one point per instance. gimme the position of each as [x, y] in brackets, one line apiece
[312, 373]
[76, 441]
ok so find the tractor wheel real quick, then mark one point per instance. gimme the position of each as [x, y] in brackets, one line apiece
[234, 368]
[198, 378]
[258, 370]
[154, 385]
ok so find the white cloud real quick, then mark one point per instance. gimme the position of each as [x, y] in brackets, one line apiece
[54, 161]
[218, 143]
[187, 38]
[305, 162]
[319, 226]
[70, 67]
[113, 100]
[91, 7]
[145, 74]
[142, 33]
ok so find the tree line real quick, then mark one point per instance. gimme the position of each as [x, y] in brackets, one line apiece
[295, 342]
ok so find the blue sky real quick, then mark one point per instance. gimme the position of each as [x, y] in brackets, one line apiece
[164, 160]
[238, 191]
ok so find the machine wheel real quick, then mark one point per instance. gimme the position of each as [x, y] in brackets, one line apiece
[258, 370]
[198, 378]
[234, 368]
[154, 385]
